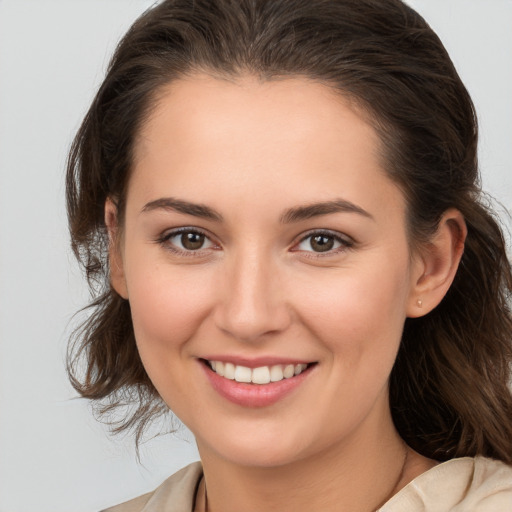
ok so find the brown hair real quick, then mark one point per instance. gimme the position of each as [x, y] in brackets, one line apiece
[449, 389]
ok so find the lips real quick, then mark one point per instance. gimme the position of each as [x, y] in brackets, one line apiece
[254, 384]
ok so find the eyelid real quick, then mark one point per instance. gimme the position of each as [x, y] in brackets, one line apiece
[167, 235]
[346, 242]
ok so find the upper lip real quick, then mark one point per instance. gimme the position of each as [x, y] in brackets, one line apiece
[255, 362]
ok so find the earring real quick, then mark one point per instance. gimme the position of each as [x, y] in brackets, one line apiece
[420, 303]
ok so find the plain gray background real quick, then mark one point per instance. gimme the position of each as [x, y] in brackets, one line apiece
[54, 457]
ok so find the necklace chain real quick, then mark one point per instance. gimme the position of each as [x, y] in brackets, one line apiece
[400, 476]
[205, 498]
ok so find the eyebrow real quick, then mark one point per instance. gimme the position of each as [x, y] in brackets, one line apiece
[292, 215]
[170, 203]
[316, 209]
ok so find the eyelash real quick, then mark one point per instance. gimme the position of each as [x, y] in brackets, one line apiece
[164, 240]
[344, 242]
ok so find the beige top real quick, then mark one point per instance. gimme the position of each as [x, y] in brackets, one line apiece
[458, 485]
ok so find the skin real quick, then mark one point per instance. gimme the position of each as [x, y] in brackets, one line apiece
[252, 151]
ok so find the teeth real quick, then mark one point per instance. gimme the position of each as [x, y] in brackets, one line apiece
[229, 371]
[289, 371]
[276, 373]
[219, 368]
[299, 368]
[261, 375]
[243, 374]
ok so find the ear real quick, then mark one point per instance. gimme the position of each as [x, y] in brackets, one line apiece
[436, 264]
[117, 277]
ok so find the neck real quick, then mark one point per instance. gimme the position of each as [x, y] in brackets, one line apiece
[359, 475]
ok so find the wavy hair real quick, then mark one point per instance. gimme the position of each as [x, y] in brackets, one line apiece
[449, 391]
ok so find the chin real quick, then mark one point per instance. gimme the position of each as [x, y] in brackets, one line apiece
[259, 449]
[259, 458]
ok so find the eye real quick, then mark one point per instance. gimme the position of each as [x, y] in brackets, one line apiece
[186, 240]
[323, 242]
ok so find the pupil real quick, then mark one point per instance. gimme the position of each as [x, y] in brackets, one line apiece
[192, 241]
[321, 243]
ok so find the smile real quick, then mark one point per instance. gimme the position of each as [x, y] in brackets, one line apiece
[257, 385]
[260, 375]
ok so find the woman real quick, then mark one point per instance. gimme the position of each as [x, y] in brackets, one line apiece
[278, 204]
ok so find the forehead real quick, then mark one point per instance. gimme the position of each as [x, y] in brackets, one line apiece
[213, 106]
[246, 136]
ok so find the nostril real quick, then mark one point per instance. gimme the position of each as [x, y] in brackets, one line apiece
[246, 324]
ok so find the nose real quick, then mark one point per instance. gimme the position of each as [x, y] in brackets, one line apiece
[253, 304]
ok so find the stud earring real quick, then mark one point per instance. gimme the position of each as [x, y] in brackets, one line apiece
[420, 303]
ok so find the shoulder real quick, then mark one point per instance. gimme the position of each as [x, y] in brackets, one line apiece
[478, 484]
[176, 494]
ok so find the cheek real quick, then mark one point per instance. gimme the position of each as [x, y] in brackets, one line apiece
[359, 313]
[167, 307]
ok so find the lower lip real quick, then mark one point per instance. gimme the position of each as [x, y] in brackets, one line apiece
[254, 395]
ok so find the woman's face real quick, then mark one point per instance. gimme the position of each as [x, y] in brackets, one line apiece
[261, 232]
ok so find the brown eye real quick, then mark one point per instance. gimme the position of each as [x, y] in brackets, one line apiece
[192, 241]
[322, 243]
[186, 240]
